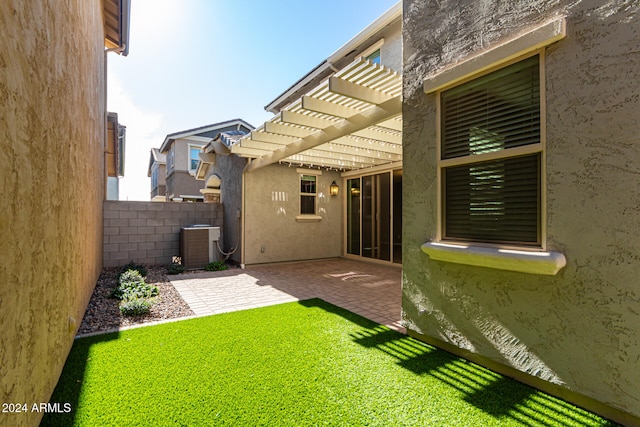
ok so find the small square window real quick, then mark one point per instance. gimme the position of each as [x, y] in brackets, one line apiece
[374, 57]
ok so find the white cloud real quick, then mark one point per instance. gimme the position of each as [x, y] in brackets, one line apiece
[142, 134]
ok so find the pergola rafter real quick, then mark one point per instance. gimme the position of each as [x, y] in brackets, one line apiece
[351, 121]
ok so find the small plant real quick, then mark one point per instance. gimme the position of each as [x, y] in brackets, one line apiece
[131, 285]
[216, 266]
[135, 306]
[133, 266]
[135, 294]
[175, 268]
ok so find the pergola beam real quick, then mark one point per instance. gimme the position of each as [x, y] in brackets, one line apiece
[394, 124]
[313, 161]
[326, 107]
[373, 157]
[272, 138]
[377, 135]
[281, 129]
[305, 120]
[384, 111]
[260, 145]
[356, 91]
[351, 142]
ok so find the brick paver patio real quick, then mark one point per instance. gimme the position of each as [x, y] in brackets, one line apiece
[370, 290]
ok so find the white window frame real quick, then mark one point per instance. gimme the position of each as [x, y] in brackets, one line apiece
[308, 216]
[376, 47]
[171, 157]
[505, 153]
[190, 147]
[526, 260]
[154, 176]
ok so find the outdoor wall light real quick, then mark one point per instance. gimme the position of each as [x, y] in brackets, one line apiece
[333, 189]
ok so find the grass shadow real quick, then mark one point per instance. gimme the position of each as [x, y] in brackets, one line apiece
[496, 395]
[71, 381]
[456, 382]
[346, 314]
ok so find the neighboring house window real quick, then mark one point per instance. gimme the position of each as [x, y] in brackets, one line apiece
[375, 57]
[171, 157]
[491, 157]
[194, 158]
[308, 194]
[154, 177]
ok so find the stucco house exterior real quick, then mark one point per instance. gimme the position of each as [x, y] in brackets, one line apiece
[323, 177]
[182, 150]
[520, 200]
[157, 171]
[221, 175]
[53, 127]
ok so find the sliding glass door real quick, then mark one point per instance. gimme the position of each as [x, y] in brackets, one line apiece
[374, 216]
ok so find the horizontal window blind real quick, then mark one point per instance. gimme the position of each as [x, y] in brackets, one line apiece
[307, 194]
[494, 112]
[495, 201]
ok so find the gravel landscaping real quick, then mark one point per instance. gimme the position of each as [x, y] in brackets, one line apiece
[103, 314]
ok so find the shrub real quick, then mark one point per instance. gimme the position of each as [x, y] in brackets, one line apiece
[175, 268]
[135, 306]
[216, 266]
[133, 266]
[131, 285]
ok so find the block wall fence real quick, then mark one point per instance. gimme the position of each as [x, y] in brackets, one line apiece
[149, 232]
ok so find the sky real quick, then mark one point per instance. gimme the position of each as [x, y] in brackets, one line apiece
[196, 62]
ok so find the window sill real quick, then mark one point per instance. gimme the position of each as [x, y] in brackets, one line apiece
[308, 218]
[546, 263]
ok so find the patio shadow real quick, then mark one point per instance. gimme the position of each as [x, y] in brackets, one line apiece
[496, 395]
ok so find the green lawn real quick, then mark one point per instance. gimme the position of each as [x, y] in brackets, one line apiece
[297, 364]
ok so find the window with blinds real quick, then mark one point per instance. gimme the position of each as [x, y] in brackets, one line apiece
[491, 155]
[308, 195]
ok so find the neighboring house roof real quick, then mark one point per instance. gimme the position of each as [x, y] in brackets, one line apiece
[156, 157]
[207, 131]
[219, 145]
[231, 138]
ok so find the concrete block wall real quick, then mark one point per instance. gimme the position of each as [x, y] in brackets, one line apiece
[149, 232]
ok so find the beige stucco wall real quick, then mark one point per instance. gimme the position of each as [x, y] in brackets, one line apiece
[182, 153]
[272, 202]
[52, 129]
[179, 180]
[391, 50]
[581, 328]
[229, 168]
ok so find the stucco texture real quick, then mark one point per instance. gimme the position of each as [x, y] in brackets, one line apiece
[579, 329]
[182, 183]
[272, 202]
[52, 132]
[229, 168]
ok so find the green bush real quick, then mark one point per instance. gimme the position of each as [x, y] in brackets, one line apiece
[135, 306]
[131, 285]
[133, 266]
[216, 266]
[175, 268]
